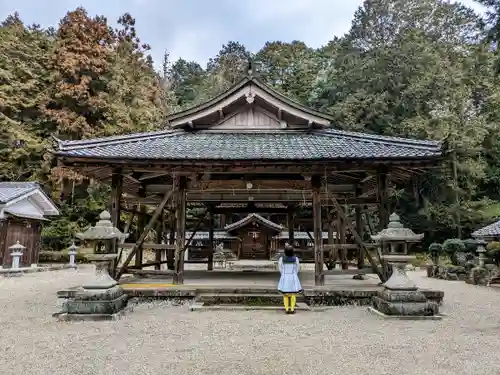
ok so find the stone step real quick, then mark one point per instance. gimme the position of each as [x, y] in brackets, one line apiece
[242, 299]
[198, 306]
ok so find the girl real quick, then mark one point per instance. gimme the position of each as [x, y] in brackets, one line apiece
[289, 283]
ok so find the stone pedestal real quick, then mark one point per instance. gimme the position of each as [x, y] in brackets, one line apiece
[72, 259]
[100, 298]
[401, 298]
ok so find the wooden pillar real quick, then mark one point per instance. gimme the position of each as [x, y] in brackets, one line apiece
[142, 219]
[290, 224]
[342, 239]
[180, 184]
[331, 242]
[210, 265]
[360, 227]
[382, 185]
[171, 239]
[222, 220]
[319, 277]
[116, 194]
[159, 237]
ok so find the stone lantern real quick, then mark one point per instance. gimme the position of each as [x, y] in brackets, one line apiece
[100, 297]
[72, 255]
[400, 296]
[481, 250]
[16, 252]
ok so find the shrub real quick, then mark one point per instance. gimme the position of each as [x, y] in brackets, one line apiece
[435, 250]
[455, 248]
[493, 251]
[453, 245]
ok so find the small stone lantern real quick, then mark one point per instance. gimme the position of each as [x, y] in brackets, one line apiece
[16, 251]
[481, 250]
[100, 298]
[72, 255]
[400, 296]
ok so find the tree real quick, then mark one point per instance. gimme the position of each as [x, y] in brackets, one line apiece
[78, 105]
[225, 69]
[134, 87]
[24, 56]
[289, 67]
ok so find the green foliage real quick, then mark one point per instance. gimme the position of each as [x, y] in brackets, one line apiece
[493, 252]
[453, 245]
[435, 248]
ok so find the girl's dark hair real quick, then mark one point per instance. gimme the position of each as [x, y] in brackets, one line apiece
[289, 251]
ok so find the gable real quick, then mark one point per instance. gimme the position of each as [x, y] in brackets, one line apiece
[250, 93]
[250, 118]
[34, 203]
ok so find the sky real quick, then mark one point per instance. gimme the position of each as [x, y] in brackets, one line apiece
[196, 29]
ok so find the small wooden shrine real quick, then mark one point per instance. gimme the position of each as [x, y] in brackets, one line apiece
[23, 208]
[251, 150]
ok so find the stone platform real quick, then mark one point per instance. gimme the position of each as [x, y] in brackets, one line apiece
[225, 287]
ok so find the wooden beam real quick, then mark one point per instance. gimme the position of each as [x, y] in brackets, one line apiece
[319, 276]
[358, 240]
[250, 166]
[141, 239]
[229, 196]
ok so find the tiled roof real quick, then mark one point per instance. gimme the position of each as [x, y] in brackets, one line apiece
[300, 235]
[204, 235]
[256, 145]
[253, 217]
[12, 190]
[492, 230]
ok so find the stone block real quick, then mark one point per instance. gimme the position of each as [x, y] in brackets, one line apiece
[405, 308]
[108, 294]
[98, 306]
[401, 296]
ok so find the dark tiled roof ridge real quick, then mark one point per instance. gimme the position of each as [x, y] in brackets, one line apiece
[126, 138]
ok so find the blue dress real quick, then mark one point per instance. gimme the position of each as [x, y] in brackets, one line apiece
[289, 280]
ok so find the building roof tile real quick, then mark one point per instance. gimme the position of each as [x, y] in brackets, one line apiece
[12, 190]
[317, 144]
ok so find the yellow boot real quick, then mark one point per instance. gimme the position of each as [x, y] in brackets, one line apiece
[286, 302]
[293, 301]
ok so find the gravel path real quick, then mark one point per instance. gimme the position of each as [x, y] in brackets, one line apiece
[157, 339]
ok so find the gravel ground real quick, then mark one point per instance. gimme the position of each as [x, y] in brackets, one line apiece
[162, 339]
